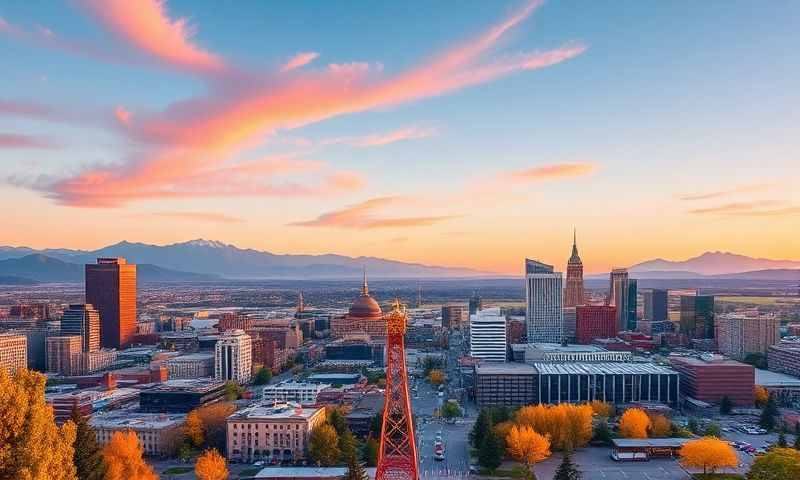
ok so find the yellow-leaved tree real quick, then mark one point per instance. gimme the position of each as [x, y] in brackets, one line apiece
[527, 446]
[205, 426]
[708, 453]
[634, 423]
[211, 466]
[761, 395]
[602, 409]
[32, 446]
[123, 458]
[568, 426]
[436, 377]
[660, 426]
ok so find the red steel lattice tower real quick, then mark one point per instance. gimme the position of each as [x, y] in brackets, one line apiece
[397, 459]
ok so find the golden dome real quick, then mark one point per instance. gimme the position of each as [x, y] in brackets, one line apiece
[365, 306]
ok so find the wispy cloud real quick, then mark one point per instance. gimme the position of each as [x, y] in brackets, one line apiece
[364, 215]
[382, 139]
[550, 172]
[146, 25]
[299, 60]
[758, 208]
[208, 133]
[758, 187]
[10, 140]
[212, 217]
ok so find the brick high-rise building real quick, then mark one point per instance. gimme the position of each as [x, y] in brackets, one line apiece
[111, 288]
[595, 321]
[62, 352]
[738, 335]
[573, 293]
[13, 351]
[83, 320]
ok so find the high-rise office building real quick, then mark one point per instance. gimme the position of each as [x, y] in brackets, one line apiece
[697, 316]
[111, 288]
[14, 351]
[618, 296]
[475, 303]
[633, 299]
[233, 357]
[543, 294]
[656, 305]
[83, 320]
[452, 316]
[63, 353]
[573, 294]
[487, 335]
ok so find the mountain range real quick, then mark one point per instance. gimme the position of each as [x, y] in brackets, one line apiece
[720, 265]
[208, 257]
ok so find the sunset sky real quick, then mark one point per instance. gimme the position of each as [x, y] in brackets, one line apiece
[470, 133]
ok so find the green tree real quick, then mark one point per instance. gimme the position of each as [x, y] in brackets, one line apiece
[88, 456]
[797, 442]
[450, 410]
[337, 420]
[778, 464]
[713, 430]
[567, 470]
[348, 447]
[602, 433]
[376, 425]
[758, 360]
[323, 445]
[725, 405]
[500, 415]
[263, 376]
[370, 452]
[782, 438]
[355, 471]
[483, 424]
[692, 425]
[769, 414]
[490, 455]
[232, 391]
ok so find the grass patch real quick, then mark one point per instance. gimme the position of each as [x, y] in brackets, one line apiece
[518, 472]
[177, 470]
[249, 472]
[756, 300]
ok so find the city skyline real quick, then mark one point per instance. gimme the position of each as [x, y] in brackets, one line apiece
[339, 130]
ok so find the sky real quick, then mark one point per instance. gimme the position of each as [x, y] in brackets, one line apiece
[466, 133]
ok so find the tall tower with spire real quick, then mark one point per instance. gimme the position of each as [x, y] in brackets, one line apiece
[574, 294]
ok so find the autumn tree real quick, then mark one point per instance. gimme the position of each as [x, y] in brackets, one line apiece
[568, 426]
[761, 396]
[527, 446]
[501, 431]
[88, 456]
[660, 426]
[205, 426]
[123, 458]
[211, 466]
[634, 423]
[436, 377]
[777, 464]
[602, 409]
[708, 453]
[32, 446]
[323, 445]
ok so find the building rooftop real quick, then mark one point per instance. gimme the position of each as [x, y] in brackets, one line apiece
[650, 442]
[134, 420]
[199, 385]
[192, 357]
[706, 360]
[95, 395]
[289, 410]
[505, 369]
[601, 368]
[307, 472]
[328, 376]
[291, 385]
[557, 347]
[765, 378]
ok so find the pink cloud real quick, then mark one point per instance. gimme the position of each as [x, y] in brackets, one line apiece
[363, 216]
[381, 139]
[299, 60]
[205, 134]
[146, 25]
[198, 216]
[756, 208]
[123, 115]
[758, 187]
[10, 140]
[550, 172]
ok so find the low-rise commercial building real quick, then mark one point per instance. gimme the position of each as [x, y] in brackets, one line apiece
[277, 432]
[89, 401]
[156, 432]
[181, 396]
[556, 352]
[710, 377]
[303, 393]
[193, 365]
[784, 357]
[505, 384]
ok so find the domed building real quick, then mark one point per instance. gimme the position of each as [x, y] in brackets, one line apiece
[364, 317]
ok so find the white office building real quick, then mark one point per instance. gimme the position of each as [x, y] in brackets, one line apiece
[298, 392]
[487, 335]
[233, 357]
[543, 294]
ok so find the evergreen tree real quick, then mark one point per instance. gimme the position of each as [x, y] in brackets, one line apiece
[692, 425]
[347, 445]
[725, 405]
[337, 420]
[602, 433]
[489, 455]
[483, 425]
[769, 413]
[567, 470]
[355, 471]
[782, 438]
[88, 456]
[370, 452]
[713, 430]
[263, 376]
[797, 442]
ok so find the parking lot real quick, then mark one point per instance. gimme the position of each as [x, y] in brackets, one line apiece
[596, 463]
